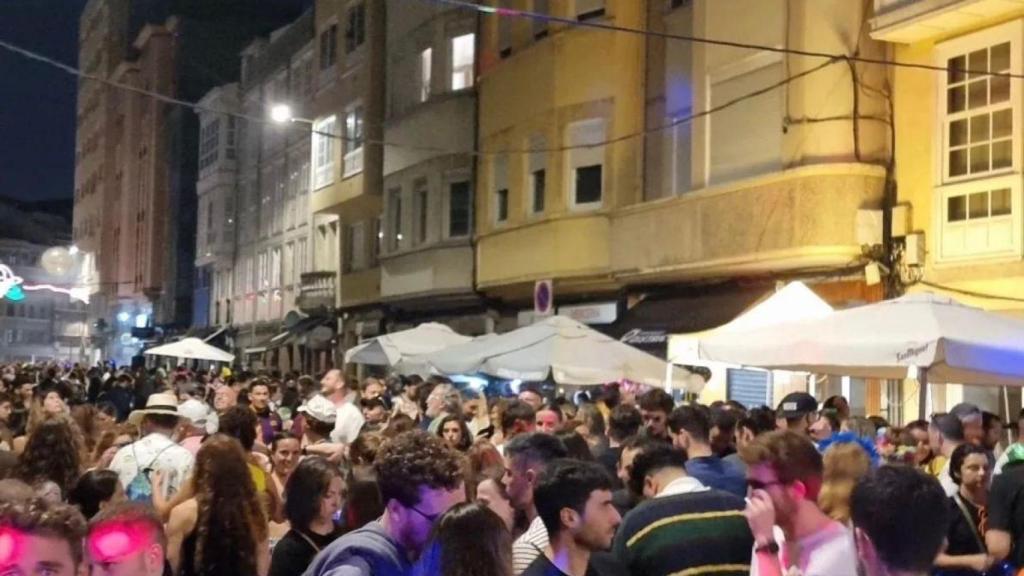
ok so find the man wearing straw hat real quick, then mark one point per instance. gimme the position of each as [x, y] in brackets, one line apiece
[154, 451]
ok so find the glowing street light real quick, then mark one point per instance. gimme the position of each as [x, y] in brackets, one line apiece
[281, 113]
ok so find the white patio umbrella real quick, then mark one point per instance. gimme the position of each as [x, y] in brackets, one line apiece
[192, 349]
[567, 351]
[399, 349]
[943, 340]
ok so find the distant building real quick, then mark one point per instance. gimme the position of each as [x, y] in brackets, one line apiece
[45, 325]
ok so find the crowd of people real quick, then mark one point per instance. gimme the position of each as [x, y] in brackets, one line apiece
[208, 473]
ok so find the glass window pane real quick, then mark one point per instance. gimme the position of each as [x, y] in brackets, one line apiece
[979, 128]
[956, 99]
[1002, 154]
[958, 162]
[1000, 58]
[956, 67]
[977, 94]
[958, 133]
[978, 62]
[979, 158]
[978, 205]
[1001, 202]
[588, 184]
[956, 209]
[1000, 87]
[1002, 123]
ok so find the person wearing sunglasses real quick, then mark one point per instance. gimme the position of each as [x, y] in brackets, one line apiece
[420, 479]
[784, 474]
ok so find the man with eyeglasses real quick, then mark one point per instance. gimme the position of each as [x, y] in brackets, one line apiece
[791, 534]
[420, 479]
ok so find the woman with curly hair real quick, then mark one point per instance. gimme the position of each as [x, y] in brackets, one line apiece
[221, 530]
[53, 453]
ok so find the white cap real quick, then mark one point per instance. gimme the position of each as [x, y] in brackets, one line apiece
[320, 408]
[199, 414]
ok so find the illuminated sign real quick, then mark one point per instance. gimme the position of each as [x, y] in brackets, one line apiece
[13, 288]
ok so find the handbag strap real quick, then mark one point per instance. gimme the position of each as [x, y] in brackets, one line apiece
[308, 540]
[970, 522]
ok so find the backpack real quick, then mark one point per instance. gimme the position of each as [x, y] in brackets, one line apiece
[140, 489]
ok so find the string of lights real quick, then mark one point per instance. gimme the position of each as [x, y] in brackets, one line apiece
[599, 25]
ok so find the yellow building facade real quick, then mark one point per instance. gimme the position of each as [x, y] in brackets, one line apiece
[644, 174]
[959, 158]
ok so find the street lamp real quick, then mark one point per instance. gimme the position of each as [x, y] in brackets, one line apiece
[282, 113]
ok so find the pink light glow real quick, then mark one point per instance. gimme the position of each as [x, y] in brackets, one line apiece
[117, 540]
[10, 546]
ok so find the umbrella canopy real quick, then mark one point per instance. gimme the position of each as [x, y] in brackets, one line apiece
[193, 349]
[567, 351]
[952, 342]
[398, 348]
[794, 302]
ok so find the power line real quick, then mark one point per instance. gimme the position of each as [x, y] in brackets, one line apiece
[437, 149]
[495, 11]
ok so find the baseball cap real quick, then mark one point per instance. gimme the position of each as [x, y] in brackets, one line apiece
[320, 408]
[197, 412]
[796, 404]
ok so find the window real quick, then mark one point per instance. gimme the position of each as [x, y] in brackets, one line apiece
[357, 237]
[422, 210]
[211, 228]
[463, 49]
[540, 26]
[263, 271]
[275, 268]
[377, 233]
[759, 120]
[353, 162]
[355, 27]
[587, 9]
[586, 165]
[537, 176]
[426, 70]
[978, 220]
[459, 200]
[395, 219]
[682, 144]
[209, 143]
[500, 186]
[323, 151]
[978, 113]
[231, 138]
[329, 47]
[301, 258]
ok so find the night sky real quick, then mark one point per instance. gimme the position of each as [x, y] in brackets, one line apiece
[37, 103]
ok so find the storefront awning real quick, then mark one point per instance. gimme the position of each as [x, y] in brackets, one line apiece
[300, 329]
[648, 324]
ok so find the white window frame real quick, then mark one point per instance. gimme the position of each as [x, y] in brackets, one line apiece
[1012, 32]
[500, 184]
[421, 210]
[463, 74]
[949, 234]
[323, 151]
[584, 157]
[355, 118]
[426, 65]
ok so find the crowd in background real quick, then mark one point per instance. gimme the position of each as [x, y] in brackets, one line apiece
[187, 472]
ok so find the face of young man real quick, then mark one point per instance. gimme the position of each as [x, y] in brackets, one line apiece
[547, 421]
[30, 554]
[762, 477]
[124, 551]
[595, 528]
[414, 523]
[332, 382]
[655, 423]
[259, 396]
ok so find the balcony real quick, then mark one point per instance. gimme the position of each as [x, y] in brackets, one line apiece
[910, 21]
[798, 219]
[316, 291]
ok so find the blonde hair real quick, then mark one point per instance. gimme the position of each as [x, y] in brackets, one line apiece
[845, 464]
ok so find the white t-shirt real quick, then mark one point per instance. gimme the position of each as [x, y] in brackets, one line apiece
[947, 481]
[348, 423]
[157, 452]
[829, 552]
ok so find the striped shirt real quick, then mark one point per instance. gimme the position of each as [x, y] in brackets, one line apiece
[693, 532]
[529, 546]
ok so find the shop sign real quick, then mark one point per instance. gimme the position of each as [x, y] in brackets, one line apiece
[639, 337]
[597, 313]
